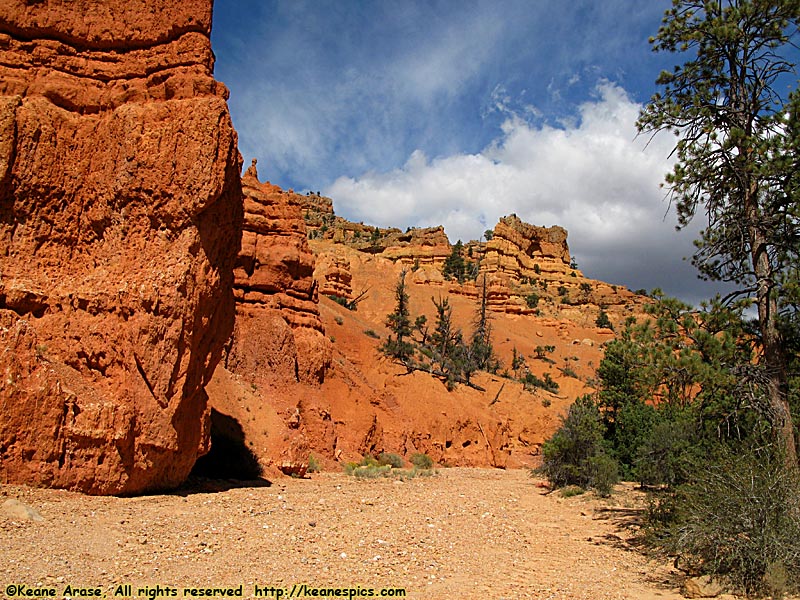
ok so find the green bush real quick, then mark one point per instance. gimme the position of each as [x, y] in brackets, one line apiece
[602, 320]
[389, 465]
[631, 426]
[664, 457]
[547, 383]
[421, 461]
[372, 471]
[739, 518]
[393, 460]
[568, 371]
[532, 300]
[603, 473]
[572, 490]
[342, 301]
[576, 454]
[313, 464]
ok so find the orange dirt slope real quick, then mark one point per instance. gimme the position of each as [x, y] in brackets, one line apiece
[367, 404]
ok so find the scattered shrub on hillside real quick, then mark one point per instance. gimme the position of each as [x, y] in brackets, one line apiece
[342, 301]
[576, 453]
[532, 300]
[393, 460]
[603, 320]
[547, 383]
[371, 333]
[517, 362]
[421, 461]
[568, 371]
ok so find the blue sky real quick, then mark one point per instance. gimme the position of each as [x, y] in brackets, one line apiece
[458, 112]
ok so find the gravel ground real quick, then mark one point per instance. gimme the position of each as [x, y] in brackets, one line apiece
[463, 533]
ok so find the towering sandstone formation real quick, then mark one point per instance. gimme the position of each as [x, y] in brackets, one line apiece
[278, 329]
[278, 355]
[120, 221]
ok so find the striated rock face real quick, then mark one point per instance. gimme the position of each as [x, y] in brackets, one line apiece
[333, 274]
[519, 249]
[120, 220]
[528, 272]
[277, 324]
[417, 246]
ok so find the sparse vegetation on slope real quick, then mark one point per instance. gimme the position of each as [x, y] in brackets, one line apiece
[682, 408]
[442, 351]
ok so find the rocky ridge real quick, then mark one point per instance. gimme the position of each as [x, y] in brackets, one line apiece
[528, 269]
[365, 404]
[120, 220]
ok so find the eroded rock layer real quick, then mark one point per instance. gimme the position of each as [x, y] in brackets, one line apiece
[520, 249]
[120, 220]
[277, 324]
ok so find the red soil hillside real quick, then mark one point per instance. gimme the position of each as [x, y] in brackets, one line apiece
[364, 403]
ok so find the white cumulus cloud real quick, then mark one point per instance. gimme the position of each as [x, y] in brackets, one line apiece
[594, 176]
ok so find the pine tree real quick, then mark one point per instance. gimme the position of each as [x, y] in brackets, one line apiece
[481, 349]
[737, 156]
[444, 335]
[398, 345]
[454, 265]
[517, 362]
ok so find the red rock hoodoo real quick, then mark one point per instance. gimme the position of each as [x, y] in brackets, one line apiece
[120, 221]
[278, 329]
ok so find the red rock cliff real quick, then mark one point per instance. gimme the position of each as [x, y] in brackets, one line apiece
[278, 330]
[120, 220]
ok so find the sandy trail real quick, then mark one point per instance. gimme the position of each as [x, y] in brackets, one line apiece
[464, 533]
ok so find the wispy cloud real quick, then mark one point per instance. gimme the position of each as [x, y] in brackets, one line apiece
[454, 112]
[363, 88]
